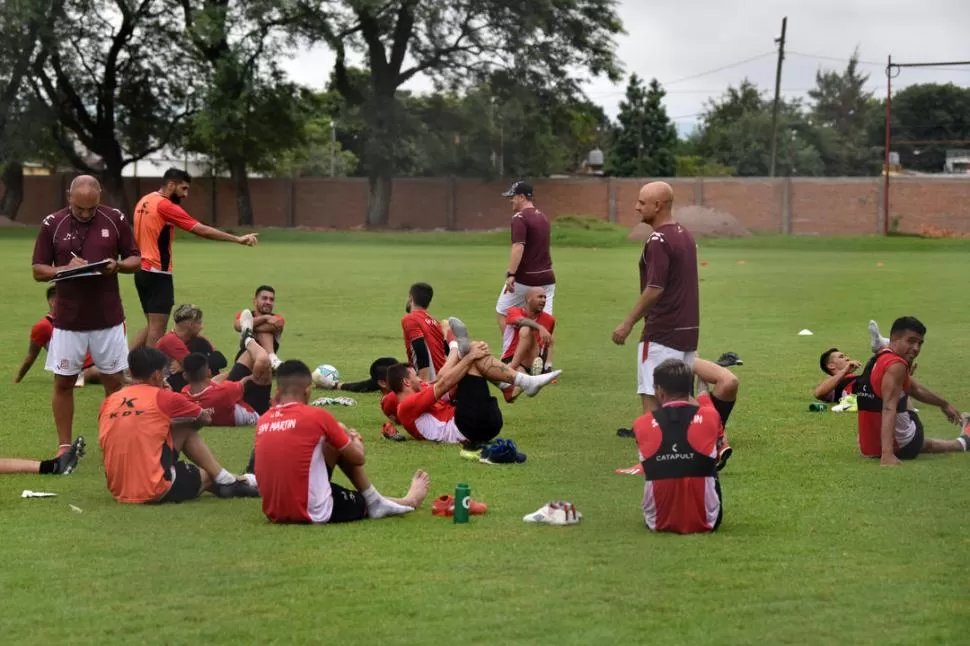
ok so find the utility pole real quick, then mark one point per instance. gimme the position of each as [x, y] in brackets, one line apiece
[774, 113]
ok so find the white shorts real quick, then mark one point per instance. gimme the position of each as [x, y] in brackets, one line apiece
[245, 417]
[652, 356]
[516, 298]
[68, 348]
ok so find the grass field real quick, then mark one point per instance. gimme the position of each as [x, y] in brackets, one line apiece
[818, 545]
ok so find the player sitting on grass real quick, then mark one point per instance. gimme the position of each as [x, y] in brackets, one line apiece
[144, 427]
[426, 411]
[888, 430]
[424, 335]
[841, 369]
[297, 448]
[265, 325]
[184, 339]
[528, 339]
[678, 449]
[62, 465]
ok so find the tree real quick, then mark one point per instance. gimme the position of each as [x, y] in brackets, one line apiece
[455, 43]
[320, 154]
[114, 98]
[840, 111]
[927, 119]
[645, 140]
[251, 114]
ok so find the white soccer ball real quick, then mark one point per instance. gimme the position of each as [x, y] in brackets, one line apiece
[326, 376]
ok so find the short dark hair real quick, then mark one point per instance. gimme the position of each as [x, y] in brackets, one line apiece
[823, 361]
[293, 374]
[51, 291]
[264, 288]
[143, 362]
[176, 175]
[396, 375]
[674, 376]
[378, 369]
[194, 366]
[907, 324]
[421, 294]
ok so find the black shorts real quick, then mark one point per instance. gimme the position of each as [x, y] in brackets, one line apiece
[187, 485]
[348, 505]
[156, 291]
[477, 414]
[256, 395]
[912, 450]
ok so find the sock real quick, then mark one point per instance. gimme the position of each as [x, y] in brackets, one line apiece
[249, 339]
[877, 339]
[521, 379]
[225, 478]
[453, 345]
[547, 366]
[504, 385]
[274, 361]
[723, 408]
[963, 439]
[50, 467]
[372, 496]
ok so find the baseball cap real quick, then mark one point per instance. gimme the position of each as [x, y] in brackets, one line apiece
[519, 188]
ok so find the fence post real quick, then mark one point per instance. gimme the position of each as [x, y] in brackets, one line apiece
[213, 199]
[786, 204]
[611, 200]
[699, 191]
[451, 215]
[881, 208]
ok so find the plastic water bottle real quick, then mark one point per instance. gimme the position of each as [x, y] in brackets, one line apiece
[463, 500]
[817, 407]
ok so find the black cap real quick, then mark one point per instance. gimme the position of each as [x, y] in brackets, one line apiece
[519, 188]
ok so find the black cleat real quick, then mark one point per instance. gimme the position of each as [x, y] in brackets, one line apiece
[68, 460]
[625, 432]
[238, 489]
[723, 456]
[729, 359]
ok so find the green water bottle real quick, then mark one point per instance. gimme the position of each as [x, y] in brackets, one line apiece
[463, 500]
[817, 407]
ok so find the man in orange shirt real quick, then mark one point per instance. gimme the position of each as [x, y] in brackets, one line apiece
[143, 427]
[156, 216]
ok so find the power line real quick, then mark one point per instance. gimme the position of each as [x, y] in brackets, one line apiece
[720, 69]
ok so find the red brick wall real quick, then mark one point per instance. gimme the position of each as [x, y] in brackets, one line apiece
[827, 206]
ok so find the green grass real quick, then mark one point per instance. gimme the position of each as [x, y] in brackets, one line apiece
[818, 545]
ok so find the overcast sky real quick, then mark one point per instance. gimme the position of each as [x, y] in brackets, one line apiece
[680, 41]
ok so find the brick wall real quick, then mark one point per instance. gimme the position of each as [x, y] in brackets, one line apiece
[826, 206]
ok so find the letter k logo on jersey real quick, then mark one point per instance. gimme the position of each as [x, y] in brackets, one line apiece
[130, 403]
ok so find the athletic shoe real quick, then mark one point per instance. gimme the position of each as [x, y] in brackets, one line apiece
[511, 394]
[245, 323]
[723, 455]
[537, 365]
[502, 452]
[729, 359]
[445, 506]
[79, 383]
[625, 432]
[389, 432]
[461, 335]
[470, 454]
[238, 489]
[559, 512]
[67, 461]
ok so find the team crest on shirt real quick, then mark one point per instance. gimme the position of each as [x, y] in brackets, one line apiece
[104, 233]
[656, 236]
[63, 364]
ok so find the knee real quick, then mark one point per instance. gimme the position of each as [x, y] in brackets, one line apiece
[524, 333]
[64, 385]
[729, 387]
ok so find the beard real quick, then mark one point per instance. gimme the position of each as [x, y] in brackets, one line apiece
[174, 199]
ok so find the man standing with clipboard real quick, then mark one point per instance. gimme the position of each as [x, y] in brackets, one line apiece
[81, 249]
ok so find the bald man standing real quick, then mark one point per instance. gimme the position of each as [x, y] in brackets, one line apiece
[669, 300]
[88, 315]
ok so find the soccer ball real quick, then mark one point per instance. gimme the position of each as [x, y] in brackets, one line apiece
[326, 376]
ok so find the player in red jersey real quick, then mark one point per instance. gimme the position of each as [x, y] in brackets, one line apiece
[265, 324]
[528, 340]
[40, 338]
[424, 335]
[840, 369]
[297, 448]
[887, 429]
[426, 411]
[678, 451]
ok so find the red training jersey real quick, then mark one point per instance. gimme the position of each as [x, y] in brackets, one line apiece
[510, 340]
[419, 325]
[290, 467]
[221, 400]
[173, 347]
[41, 334]
[156, 217]
[870, 421]
[426, 417]
[679, 500]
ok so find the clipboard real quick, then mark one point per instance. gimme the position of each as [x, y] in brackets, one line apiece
[90, 269]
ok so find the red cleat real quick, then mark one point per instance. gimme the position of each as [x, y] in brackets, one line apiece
[389, 432]
[445, 506]
[511, 394]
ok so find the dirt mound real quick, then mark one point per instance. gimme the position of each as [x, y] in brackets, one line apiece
[702, 222]
[6, 222]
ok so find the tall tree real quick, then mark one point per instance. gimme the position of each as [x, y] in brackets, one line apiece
[927, 120]
[251, 114]
[645, 142]
[114, 96]
[454, 43]
[840, 110]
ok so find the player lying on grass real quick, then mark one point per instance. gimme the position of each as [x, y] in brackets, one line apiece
[378, 383]
[678, 450]
[426, 410]
[888, 430]
[144, 427]
[424, 335]
[841, 369]
[528, 339]
[62, 465]
[297, 448]
[229, 403]
[265, 325]
[40, 339]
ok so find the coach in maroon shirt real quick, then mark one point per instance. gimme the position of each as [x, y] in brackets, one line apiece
[88, 315]
[669, 299]
[530, 263]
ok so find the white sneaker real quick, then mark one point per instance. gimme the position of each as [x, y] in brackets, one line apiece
[245, 322]
[537, 366]
[80, 381]
[557, 512]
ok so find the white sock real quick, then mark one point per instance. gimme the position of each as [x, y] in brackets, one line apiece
[877, 339]
[547, 366]
[249, 340]
[387, 508]
[504, 385]
[371, 496]
[274, 361]
[225, 478]
[453, 345]
[521, 379]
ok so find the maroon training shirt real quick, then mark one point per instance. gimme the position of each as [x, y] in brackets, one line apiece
[669, 261]
[530, 228]
[89, 303]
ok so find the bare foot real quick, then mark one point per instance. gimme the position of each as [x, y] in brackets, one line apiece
[420, 484]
